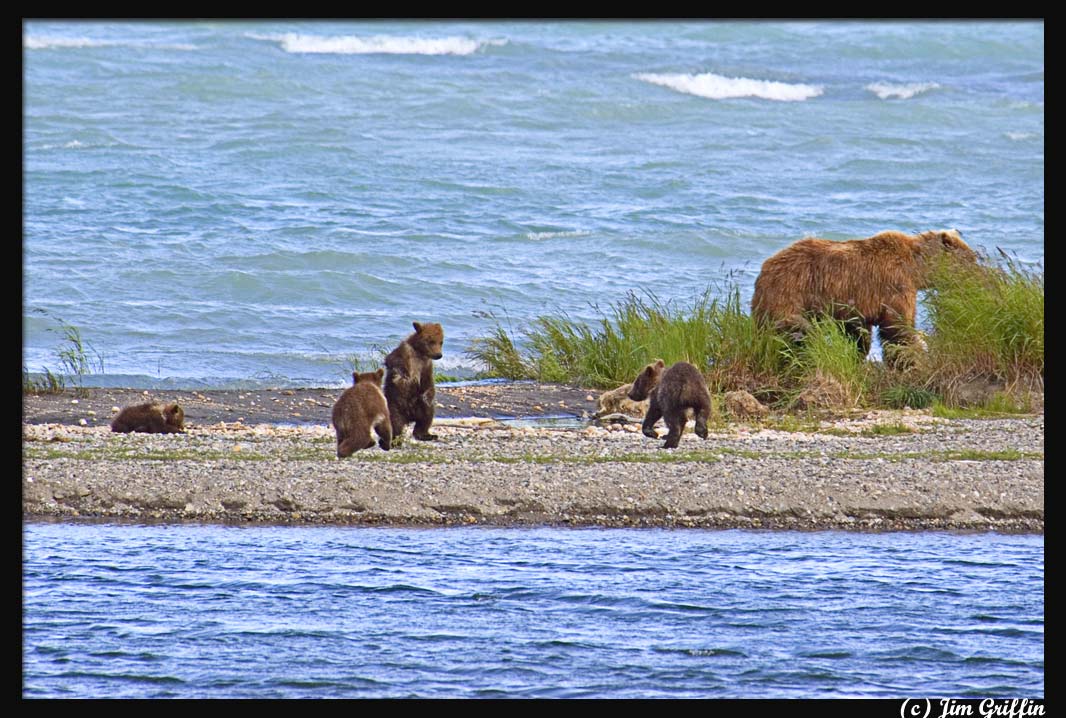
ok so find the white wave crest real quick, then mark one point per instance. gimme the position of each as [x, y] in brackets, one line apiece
[1019, 136]
[887, 91]
[377, 44]
[719, 87]
[538, 236]
[32, 42]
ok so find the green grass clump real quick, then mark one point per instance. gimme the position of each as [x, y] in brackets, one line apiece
[46, 383]
[716, 336]
[987, 323]
[744, 354]
[77, 358]
[610, 352]
[900, 396]
[499, 353]
[828, 361]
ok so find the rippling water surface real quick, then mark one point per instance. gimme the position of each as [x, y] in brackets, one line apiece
[222, 202]
[196, 611]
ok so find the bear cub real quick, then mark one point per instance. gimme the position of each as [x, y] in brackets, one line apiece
[360, 409]
[674, 391]
[409, 386]
[150, 418]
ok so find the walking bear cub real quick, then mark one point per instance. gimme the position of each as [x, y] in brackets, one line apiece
[360, 409]
[674, 391]
[409, 386]
[150, 418]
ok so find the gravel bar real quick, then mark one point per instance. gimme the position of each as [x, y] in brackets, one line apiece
[915, 472]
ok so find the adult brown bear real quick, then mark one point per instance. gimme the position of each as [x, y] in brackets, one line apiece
[864, 282]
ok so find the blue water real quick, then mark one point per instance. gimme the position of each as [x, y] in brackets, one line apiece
[197, 611]
[215, 202]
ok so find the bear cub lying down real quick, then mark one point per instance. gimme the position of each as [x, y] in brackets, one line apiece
[674, 392]
[150, 418]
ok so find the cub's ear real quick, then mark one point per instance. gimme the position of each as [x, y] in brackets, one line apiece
[355, 377]
[659, 364]
[417, 326]
[379, 373]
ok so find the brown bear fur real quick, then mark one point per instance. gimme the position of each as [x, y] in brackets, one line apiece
[150, 419]
[360, 410]
[409, 386]
[674, 392]
[864, 282]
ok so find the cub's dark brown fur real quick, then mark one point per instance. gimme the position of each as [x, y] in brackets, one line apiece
[360, 409]
[409, 381]
[673, 391]
[150, 419]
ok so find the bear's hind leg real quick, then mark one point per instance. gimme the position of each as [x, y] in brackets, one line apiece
[861, 332]
[353, 444]
[397, 423]
[703, 415]
[675, 422]
[384, 431]
[422, 424]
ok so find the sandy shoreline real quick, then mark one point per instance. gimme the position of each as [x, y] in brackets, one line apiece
[958, 474]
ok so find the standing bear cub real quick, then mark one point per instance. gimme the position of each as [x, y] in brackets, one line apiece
[864, 282]
[409, 381]
[674, 393]
[150, 419]
[360, 409]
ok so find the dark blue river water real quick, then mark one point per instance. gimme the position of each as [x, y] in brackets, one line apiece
[268, 612]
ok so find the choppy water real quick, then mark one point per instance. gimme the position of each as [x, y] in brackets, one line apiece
[195, 611]
[211, 202]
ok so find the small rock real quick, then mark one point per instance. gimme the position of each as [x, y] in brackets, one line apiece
[83, 422]
[742, 405]
[73, 401]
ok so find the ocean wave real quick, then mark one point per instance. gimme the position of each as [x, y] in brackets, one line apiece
[887, 91]
[719, 87]
[72, 145]
[377, 44]
[34, 42]
[537, 236]
[1019, 136]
